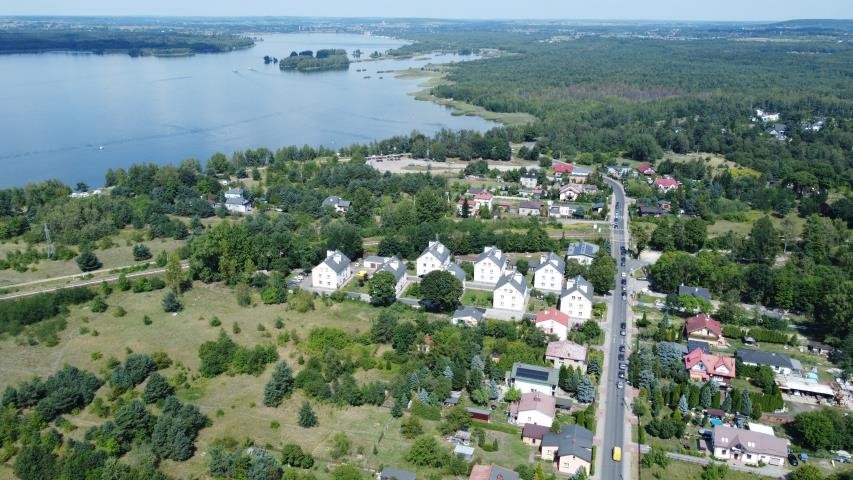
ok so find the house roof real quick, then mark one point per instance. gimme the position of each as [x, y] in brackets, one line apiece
[474, 191]
[463, 450]
[535, 401]
[529, 175]
[560, 167]
[651, 210]
[437, 250]
[479, 411]
[236, 201]
[375, 259]
[476, 313]
[552, 259]
[571, 440]
[483, 196]
[566, 349]
[339, 265]
[335, 201]
[750, 441]
[700, 292]
[644, 167]
[714, 364]
[457, 271]
[760, 357]
[396, 266]
[582, 249]
[698, 322]
[666, 182]
[553, 314]
[530, 205]
[581, 171]
[534, 431]
[580, 285]
[694, 344]
[535, 374]
[391, 473]
[716, 412]
[235, 191]
[492, 253]
[492, 472]
[514, 280]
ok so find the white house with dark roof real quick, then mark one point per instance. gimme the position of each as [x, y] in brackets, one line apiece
[548, 273]
[533, 378]
[490, 265]
[529, 180]
[570, 449]
[582, 252]
[533, 408]
[748, 447]
[566, 353]
[511, 292]
[468, 316]
[339, 204]
[435, 257]
[333, 272]
[576, 299]
[235, 202]
[457, 272]
[778, 362]
[397, 268]
[529, 208]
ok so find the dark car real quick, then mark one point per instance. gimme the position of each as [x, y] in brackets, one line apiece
[621, 348]
[622, 326]
[621, 357]
[792, 459]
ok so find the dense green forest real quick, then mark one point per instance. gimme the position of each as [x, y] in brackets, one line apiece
[136, 42]
[307, 61]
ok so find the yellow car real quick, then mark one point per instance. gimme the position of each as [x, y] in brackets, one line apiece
[617, 454]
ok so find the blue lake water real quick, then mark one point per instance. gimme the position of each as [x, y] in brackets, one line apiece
[58, 109]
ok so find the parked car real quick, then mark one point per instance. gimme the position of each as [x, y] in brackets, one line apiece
[622, 333]
[620, 385]
[621, 348]
[792, 459]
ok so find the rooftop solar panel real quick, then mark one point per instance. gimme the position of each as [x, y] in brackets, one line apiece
[533, 374]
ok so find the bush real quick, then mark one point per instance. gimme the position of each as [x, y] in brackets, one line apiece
[119, 311]
[157, 388]
[307, 417]
[87, 261]
[171, 303]
[99, 305]
[141, 252]
[411, 428]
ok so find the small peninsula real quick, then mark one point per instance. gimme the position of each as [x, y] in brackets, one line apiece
[308, 61]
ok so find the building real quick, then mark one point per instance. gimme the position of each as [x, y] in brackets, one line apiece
[757, 427]
[579, 174]
[480, 199]
[571, 191]
[464, 451]
[651, 210]
[468, 316]
[797, 386]
[529, 180]
[457, 272]
[397, 268]
[703, 327]
[554, 322]
[705, 366]
[820, 348]
[435, 257]
[533, 408]
[333, 272]
[576, 299]
[511, 292]
[694, 344]
[645, 168]
[373, 262]
[235, 202]
[532, 434]
[479, 413]
[562, 169]
[748, 447]
[698, 292]
[765, 116]
[779, 362]
[548, 273]
[562, 211]
[665, 185]
[570, 449]
[529, 208]
[391, 473]
[490, 266]
[582, 252]
[566, 353]
[339, 204]
[492, 472]
[533, 378]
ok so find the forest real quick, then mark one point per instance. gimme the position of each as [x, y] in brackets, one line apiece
[308, 61]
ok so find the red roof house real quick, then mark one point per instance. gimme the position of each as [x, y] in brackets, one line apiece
[666, 184]
[703, 327]
[705, 366]
[553, 321]
[645, 168]
[561, 168]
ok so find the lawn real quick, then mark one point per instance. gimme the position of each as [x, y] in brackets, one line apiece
[720, 227]
[477, 298]
[681, 470]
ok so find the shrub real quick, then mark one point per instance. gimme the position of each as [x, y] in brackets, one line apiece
[141, 252]
[171, 303]
[99, 305]
[307, 417]
[279, 386]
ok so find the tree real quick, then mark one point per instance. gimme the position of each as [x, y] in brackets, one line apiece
[411, 428]
[174, 274]
[512, 395]
[404, 337]
[346, 472]
[602, 272]
[360, 211]
[640, 235]
[644, 148]
[426, 452]
[586, 390]
[340, 445]
[593, 367]
[682, 404]
[141, 252]
[466, 208]
[279, 386]
[171, 302]
[763, 244]
[307, 417]
[745, 402]
[382, 288]
[87, 261]
[815, 430]
[706, 394]
[522, 265]
[442, 289]
[807, 472]
[157, 388]
[430, 204]
[726, 406]
[383, 327]
[715, 471]
[36, 462]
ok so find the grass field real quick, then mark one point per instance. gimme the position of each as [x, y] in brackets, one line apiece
[681, 470]
[477, 298]
[720, 227]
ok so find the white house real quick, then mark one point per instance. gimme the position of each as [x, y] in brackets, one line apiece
[529, 208]
[397, 268]
[533, 378]
[766, 116]
[562, 211]
[566, 353]
[457, 272]
[511, 292]
[490, 265]
[533, 408]
[235, 202]
[468, 316]
[749, 447]
[554, 322]
[332, 272]
[548, 274]
[582, 252]
[339, 204]
[576, 299]
[435, 257]
[529, 180]
[570, 449]
[572, 191]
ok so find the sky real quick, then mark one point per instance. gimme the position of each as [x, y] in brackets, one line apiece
[711, 10]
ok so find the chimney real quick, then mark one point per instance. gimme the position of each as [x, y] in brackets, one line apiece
[432, 243]
[486, 249]
[518, 277]
[329, 253]
[542, 260]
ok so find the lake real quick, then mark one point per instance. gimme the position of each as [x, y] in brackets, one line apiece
[71, 116]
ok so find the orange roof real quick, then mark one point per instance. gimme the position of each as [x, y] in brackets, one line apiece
[553, 314]
[560, 167]
[703, 320]
[666, 182]
[483, 196]
[712, 363]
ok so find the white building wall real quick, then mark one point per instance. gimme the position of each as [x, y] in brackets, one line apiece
[552, 327]
[487, 272]
[548, 279]
[576, 306]
[508, 298]
[534, 417]
[525, 387]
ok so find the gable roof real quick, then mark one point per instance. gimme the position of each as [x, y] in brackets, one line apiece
[712, 363]
[694, 344]
[644, 167]
[395, 266]
[514, 280]
[552, 259]
[703, 320]
[484, 195]
[580, 285]
[492, 472]
[535, 374]
[531, 205]
[553, 314]
[750, 441]
[475, 313]
[680, 347]
[666, 182]
[236, 201]
[457, 272]
[760, 357]
[335, 201]
[566, 349]
[535, 432]
[237, 191]
[561, 167]
[437, 250]
[492, 253]
[535, 401]
[391, 473]
[700, 292]
[582, 249]
[337, 266]
[571, 440]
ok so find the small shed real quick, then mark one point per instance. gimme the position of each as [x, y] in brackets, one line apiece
[464, 451]
[716, 413]
[479, 413]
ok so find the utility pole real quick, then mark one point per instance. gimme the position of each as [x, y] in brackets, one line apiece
[50, 251]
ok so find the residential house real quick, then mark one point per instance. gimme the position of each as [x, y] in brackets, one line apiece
[548, 273]
[533, 408]
[333, 272]
[391, 473]
[665, 204]
[705, 366]
[779, 131]
[561, 211]
[435, 257]
[554, 322]
[665, 185]
[582, 252]
[562, 169]
[779, 362]
[694, 344]
[698, 292]
[468, 316]
[235, 202]
[570, 449]
[339, 204]
[579, 174]
[533, 378]
[749, 447]
[645, 168]
[511, 292]
[489, 267]
[576, 299]
[529, 208]
[651, 210]
[820, 348]
[566, 353]
[703, 327]
[457, 272]
[765, 116]
[372, 263]
[532, 434]
[397, 268]
[484, 199]
[529, 180]
[479, 413]
[492, 472]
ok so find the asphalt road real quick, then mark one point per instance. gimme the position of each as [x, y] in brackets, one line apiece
[614, 416]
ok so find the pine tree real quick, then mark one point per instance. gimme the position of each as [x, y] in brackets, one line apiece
[745, 402]
[279, 386]
[307, 417]
[593, 368]
[466, 209]
[171, 302]
[586, 391]
[705, 395]
[682, 404]
[156, 388]
[87, 261]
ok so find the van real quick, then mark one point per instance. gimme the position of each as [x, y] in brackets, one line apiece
[617, 454]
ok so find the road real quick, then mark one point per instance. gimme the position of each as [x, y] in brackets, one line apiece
[614, 415]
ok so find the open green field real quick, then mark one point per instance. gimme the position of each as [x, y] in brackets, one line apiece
[721, 227]
[686, 470]
[477, 298]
